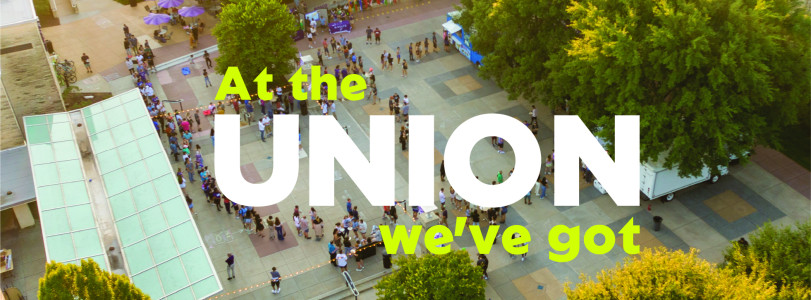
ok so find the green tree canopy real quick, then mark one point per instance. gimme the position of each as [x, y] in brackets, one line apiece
[254, 35]
[516, 38]
[785, 251]
[708, 78]
[87, 281]
[661, 274]
[447, 276]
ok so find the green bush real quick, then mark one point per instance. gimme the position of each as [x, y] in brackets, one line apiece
[786, 253]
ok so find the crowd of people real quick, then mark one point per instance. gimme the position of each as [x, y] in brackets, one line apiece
[352, 236]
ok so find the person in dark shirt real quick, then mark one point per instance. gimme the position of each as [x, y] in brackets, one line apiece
[275, 279]
[230, 268]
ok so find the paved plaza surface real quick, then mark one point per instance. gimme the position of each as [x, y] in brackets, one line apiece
[445, 85]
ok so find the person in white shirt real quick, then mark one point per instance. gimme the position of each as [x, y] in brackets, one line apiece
[442, 196]
[147, 91]
[362, 228]
[268, 127]
[534, 114]
[341, 259]
[262, 129]
[130, 66]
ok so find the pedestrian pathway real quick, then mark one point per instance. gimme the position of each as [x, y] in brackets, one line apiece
[447, 86]
[785, 169]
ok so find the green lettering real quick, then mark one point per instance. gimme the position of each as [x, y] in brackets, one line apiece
[297, 80]
[431, 243]
[349, 90]
[627, 233]
[509, 243]
[572, 247]
[239, 88]
[594, 231]
[262, 85]
[332, 85]
[401, 235]
[485, 245]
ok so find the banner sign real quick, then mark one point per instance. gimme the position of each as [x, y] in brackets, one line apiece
[339, 27]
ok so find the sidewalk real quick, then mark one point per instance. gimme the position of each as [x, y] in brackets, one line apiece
[784, 169]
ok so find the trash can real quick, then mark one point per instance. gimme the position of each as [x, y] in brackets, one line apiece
[657, 223]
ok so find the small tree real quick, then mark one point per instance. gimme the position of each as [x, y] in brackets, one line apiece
[253, 35]
[447, 276]
[661, 274]
[786, 253]
[88, 281]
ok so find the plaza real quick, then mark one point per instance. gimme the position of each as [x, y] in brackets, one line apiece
[446, 85]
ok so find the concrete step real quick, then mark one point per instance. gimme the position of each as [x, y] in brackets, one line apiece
[362, 285]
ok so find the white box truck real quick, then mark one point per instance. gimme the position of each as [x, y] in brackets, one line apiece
[657, 181]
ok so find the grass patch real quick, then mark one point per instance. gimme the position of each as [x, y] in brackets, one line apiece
[43, 8]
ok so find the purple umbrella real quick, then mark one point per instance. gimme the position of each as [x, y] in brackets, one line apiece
[156, 19]
[170, 3]
[191, 11]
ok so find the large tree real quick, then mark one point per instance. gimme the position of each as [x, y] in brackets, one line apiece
[516, 38]
[85, 281]
[708, 78]
[785, 251]
[254, 35]
[446, 276]
[661, 274]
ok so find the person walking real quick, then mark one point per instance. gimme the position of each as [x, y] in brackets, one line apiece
[205, 76]
[275, 280]
[358, 259]
[260, 226]
[279, 229]
[442, 197]
[533, 114]
[211, 133]
[190, 204]
[208, 59]
[305, 227]
[442, 171]
[326, 48]
[333, 252]
[483, 263]
[230, 268]
[86, 61]
[261, 124]
[341, 260]
[524, 255]
[405, 69]
[548, 165]
[436, 49]
[190, 169]
[191, 59]
[127, 47]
